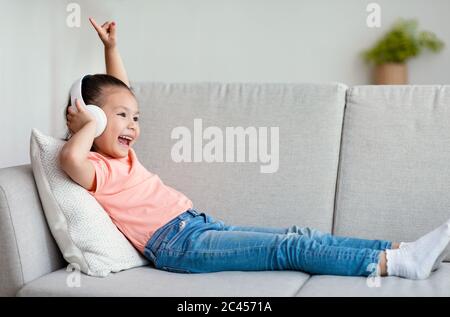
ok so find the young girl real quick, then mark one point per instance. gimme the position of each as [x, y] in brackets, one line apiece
[162, 224]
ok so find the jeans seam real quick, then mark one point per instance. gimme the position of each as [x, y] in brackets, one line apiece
[301, 252]
[344, 253]
[203, 252]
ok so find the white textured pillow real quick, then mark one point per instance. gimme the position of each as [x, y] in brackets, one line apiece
[81, 227]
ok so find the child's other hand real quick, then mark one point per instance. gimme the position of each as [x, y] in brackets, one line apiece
[106, 32]
[76, 119]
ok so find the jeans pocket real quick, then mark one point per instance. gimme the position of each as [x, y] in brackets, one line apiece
[179, 232]
[164, 261]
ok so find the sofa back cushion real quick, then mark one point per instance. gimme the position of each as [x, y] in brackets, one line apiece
[394, 174]
[296, 187]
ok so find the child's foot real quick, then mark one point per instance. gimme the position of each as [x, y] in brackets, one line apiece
[439, 260]
[416, 260]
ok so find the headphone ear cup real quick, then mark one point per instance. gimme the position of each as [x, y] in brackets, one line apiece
[100, 118]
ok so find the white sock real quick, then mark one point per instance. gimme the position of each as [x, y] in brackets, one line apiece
[415, 260]
[439, 260]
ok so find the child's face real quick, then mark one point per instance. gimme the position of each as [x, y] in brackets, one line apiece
[121, 110]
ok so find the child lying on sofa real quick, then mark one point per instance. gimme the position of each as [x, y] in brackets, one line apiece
[163, 225]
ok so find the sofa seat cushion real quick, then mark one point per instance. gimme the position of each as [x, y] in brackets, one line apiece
[147, 281]
[324, 285]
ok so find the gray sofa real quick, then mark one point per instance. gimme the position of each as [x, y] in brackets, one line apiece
[366, 161]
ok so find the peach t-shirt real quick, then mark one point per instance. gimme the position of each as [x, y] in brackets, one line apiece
[137, 201]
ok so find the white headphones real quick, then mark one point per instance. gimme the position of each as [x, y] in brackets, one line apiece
[97, 112]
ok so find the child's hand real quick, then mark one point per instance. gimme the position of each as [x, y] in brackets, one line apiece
[106, 32]
[76, 119]
[113, 61]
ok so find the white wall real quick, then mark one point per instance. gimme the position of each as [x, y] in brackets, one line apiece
[191, 40]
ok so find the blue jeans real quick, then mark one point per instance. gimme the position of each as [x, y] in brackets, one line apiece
[194, 242]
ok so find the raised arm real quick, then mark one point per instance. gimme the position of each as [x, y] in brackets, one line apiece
[113, 61]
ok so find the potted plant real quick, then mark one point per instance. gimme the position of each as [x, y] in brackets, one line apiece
[403, 42]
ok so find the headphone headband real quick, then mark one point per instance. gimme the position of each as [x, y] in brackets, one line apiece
[75, 91]
[97, 112]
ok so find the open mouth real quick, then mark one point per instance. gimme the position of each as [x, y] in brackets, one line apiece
[125, 140]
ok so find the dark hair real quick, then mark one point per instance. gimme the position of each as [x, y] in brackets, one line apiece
[91, 91]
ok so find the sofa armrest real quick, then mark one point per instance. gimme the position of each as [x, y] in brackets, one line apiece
[27, 247]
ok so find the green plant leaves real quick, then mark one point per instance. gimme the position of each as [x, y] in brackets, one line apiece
[401, 43]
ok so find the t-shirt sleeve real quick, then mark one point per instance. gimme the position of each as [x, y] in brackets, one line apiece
[102, 172]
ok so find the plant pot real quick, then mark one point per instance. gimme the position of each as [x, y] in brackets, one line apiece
[391, 74]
